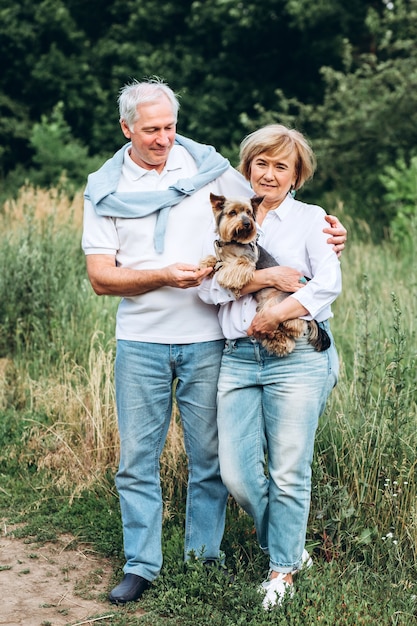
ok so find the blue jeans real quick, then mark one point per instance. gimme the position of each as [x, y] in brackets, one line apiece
[268, 407]
[144, 376]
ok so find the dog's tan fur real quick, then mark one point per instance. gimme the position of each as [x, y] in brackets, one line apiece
[236, 259]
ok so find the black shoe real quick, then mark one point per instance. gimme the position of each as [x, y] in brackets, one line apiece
[130, 589]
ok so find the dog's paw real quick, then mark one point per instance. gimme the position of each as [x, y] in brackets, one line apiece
[208, 261]
[235, 276]
[294, 328]
[283, 341]
[280, 344]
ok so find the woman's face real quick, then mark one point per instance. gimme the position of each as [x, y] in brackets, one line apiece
[272, 177]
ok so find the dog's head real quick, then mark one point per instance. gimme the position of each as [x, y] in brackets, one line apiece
[235, 217]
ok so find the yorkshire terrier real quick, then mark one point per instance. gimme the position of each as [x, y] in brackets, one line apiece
[238, 255]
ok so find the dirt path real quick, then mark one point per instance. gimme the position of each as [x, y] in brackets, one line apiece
[52, 584]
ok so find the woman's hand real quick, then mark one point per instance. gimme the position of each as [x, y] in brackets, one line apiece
[338, 234]
[265, 323]
[283, 278]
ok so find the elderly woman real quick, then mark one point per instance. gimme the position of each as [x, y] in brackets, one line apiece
[269, 406]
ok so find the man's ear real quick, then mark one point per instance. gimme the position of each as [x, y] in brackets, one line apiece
[125, 129]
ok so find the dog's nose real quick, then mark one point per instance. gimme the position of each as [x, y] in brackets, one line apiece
[245, 221]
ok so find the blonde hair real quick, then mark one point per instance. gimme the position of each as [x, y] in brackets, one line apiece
[274, 140]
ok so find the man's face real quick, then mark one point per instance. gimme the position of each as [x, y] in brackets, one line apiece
[152, 135]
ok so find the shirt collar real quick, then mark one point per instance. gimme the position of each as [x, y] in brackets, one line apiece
[284, 208]
[282, 211]
[135, 172]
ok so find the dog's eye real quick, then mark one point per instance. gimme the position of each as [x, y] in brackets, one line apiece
[233, 212]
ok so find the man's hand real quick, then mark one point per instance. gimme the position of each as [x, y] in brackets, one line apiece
[337, 232]
[108, 279]
[184, 276]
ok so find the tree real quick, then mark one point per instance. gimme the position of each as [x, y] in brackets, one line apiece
[342, 72]
[43, 56]
[59, 159]
[223, 56]
[367, 120]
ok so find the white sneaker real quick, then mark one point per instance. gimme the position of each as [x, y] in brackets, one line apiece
[306, 562]
[275, 590]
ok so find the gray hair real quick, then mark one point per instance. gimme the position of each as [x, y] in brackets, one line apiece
[136, 93]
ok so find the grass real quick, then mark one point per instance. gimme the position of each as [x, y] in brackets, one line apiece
[59, 445]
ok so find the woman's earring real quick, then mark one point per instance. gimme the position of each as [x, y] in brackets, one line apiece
[292, 191]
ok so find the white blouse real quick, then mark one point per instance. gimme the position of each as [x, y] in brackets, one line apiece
[293, 234]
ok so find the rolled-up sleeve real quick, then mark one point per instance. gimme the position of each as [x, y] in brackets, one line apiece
[326, 282]
[210, 292]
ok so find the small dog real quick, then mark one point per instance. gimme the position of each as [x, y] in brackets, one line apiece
[237, 256]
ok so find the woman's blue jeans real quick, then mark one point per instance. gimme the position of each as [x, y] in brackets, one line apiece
[144, 377]
[268, 411]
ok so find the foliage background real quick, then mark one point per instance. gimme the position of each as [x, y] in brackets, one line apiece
[344, 73]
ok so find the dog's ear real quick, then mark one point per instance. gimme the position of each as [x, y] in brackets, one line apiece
[255, 202]
[217, 202]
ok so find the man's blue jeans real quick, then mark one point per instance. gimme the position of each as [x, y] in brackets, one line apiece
[268, 408]
[144, 376]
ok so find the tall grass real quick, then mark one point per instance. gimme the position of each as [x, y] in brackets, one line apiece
[56, 368]
[47, 308]
[57, 346]
[365, 465]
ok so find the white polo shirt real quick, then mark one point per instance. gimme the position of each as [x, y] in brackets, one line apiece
[166, 315]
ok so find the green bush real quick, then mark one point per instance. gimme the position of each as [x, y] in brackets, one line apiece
[46, 296]
[58, 158]
[400, 183]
